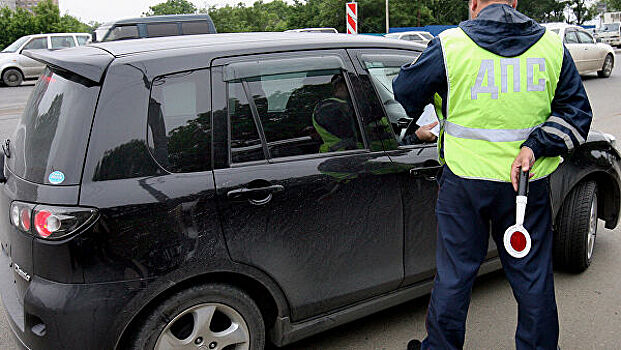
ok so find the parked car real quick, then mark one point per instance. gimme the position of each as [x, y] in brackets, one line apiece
[419, 37]
[610, 33]
[16, 67]
[154, 26]
[588, 54]
[205, 207]
[313, 30]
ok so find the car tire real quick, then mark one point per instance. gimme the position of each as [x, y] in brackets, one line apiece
[607, 67]
[12, 77]
[576, 229]
[232, 318]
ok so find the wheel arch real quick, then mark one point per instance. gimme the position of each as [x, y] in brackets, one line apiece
[608, 199]
[4, 69]
[271, 302]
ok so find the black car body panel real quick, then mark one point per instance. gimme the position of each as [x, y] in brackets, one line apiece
[86, 61]
[341, 235]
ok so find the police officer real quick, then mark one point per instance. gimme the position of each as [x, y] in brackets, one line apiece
[511, 97]
[333, 119]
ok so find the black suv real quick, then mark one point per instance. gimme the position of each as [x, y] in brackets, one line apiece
[190, 192]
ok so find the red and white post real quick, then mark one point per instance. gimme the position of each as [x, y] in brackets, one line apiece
[352, 17]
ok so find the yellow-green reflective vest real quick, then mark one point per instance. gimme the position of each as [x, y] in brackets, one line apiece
[494, 103]
[331, 142]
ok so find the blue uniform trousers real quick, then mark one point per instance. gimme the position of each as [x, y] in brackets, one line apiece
[466, 210]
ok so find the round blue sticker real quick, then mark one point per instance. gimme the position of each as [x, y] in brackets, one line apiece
[56, 178]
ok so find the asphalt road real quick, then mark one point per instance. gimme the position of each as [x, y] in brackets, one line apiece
[589, 303]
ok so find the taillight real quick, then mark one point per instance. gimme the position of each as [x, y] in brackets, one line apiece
[50, 222]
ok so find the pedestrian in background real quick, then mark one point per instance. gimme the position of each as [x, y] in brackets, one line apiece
[511, 98]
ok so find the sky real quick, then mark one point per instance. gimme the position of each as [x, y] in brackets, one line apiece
[109, 10]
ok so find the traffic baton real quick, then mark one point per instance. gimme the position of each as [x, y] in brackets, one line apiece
[517, 240]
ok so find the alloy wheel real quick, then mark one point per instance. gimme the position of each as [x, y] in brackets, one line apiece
[210, 326]
[592, 229]
[608, 65]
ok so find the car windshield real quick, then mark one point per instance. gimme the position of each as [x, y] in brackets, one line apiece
[610, 27]
[16, 45]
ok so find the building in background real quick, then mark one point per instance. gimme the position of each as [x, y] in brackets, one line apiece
[8, 3]
[29, 4]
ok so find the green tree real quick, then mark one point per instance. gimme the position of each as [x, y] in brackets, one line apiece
[613, 5]
[44, 18]
[543, 11]
[582, 11]
[171, 7]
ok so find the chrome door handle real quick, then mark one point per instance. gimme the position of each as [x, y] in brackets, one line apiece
[251, 194]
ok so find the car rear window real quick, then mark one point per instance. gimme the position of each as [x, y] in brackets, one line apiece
[51, 137]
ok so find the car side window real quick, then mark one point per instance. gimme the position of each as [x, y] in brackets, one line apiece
[162, 29]
[571, 38]
[60, 42]
[195, 27]
[179, 122]
[123, 32]
[304, 106]
[246, 145]
[382, 70]
[36, 44]
[585, 38]
[82, 40]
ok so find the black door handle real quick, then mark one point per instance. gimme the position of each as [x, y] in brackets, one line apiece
[256, 195]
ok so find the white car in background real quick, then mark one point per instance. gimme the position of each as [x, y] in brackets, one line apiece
[588, 54]
[418, 37]
[15, 67]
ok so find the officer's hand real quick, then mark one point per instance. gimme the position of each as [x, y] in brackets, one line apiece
[524, 160]
[424, 132]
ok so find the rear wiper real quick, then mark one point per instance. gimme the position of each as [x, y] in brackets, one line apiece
[6, 148]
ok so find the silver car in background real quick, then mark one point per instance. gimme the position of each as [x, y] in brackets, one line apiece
[15, 67]
[418, 37]
[588, 54]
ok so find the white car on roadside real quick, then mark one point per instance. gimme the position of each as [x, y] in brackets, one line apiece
[418, 37]
[588, 54]
[15, 67]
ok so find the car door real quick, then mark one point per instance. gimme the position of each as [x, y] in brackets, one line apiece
[30, 67]
[576, 49]
[323, 220]
[416, 163]
[594, 59]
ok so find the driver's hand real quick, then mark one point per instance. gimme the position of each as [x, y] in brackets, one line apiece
[424, 133]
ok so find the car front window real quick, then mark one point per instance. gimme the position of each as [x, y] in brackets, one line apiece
[36, 44]
[585, 38]
[382, 70]
[16, 45]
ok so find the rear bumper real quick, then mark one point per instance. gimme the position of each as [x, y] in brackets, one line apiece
[75, 316]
